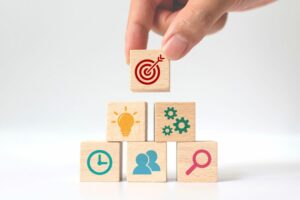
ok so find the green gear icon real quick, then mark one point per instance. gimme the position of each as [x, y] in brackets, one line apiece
[181, 125]
[167, 130]
[170, 113]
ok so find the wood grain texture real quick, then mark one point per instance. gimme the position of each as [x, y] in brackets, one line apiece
[163, 82]
[183, 109]
[185, 152]
[114, 149]
[127, 121]
[136, 148]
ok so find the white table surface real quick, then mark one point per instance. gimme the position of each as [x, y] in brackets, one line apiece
[251, 166]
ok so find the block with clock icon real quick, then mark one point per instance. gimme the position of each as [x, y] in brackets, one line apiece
[100, 161]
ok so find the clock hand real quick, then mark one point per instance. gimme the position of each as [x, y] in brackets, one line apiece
[99, 160]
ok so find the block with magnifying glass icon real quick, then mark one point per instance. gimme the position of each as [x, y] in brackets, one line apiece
[197, 161]
[100, 161]
[127, 121]
[147, 162]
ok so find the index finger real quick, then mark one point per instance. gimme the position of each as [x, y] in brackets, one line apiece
[140, 21]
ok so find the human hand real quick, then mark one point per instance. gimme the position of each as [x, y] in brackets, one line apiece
[182, 23]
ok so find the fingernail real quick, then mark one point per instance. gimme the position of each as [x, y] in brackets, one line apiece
[175, 47]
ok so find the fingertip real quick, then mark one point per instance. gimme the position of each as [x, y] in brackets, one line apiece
[136, 38]
[176, 47]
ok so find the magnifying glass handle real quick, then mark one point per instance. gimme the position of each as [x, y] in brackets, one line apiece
[189, 171]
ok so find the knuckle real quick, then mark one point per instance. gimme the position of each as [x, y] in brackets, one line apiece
[141, 26]
[206, 19]
[197, 22]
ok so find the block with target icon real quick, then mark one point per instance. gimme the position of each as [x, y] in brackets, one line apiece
[150, 71]
[197, 161]
[100, 161]
[174, 121]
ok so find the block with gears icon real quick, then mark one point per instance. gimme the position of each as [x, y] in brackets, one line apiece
[174, 121]
[150, 71]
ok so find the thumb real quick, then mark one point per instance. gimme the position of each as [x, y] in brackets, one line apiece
[190, 25]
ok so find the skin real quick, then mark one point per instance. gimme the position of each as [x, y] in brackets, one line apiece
[182, 23]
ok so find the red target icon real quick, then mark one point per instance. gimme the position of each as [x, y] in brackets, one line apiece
[147, 71]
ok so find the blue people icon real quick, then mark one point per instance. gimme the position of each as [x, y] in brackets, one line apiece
[146, 163]
[142, 164]
[152, 160]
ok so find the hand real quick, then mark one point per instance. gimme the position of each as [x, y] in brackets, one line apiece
[183, 23]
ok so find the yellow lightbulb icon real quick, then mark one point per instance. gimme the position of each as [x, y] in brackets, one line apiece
[125, 122]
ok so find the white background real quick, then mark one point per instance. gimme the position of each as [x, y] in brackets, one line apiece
[61, 61]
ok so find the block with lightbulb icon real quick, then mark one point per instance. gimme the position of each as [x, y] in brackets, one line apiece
[127, 121]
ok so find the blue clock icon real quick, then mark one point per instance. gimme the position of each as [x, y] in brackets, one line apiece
[103, 162]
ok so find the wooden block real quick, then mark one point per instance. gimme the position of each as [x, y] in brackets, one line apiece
[147, 162]
[174, 121]
[150, 71]
[100, 161]
[197, 161]
[127, 121]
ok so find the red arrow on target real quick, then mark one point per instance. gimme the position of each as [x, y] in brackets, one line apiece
[159, 59]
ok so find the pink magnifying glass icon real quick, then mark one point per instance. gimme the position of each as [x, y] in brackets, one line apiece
[196, 163]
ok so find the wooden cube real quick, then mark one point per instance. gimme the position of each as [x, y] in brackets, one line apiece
[150, 71]
[147, 162]
[197, 161]
[174, 121]
[127, 121]
[100, 161]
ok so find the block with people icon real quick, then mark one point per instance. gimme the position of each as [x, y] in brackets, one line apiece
[147, 162]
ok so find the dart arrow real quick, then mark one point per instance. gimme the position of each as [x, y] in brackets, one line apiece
[159, 59]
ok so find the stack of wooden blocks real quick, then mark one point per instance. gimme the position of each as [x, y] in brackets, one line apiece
[147, 160]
